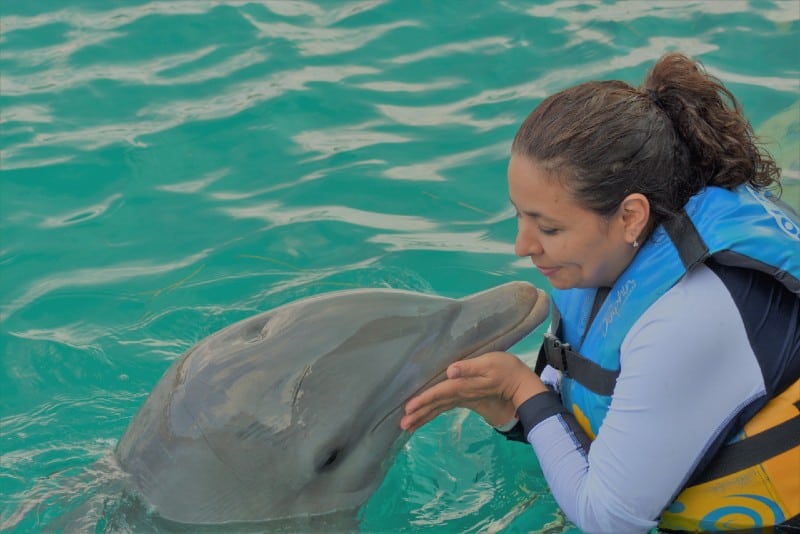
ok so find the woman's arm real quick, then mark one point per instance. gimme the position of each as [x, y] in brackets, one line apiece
[687, 370]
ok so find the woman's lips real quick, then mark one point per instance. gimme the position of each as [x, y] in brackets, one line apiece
[547, 271]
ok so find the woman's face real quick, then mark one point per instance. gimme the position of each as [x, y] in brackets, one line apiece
[570, 245]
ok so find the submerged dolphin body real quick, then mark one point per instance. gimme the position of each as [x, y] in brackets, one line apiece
[295, 411]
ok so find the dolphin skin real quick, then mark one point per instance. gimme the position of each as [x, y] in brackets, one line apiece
[295, 411]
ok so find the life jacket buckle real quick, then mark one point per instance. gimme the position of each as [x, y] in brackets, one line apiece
[556, 352]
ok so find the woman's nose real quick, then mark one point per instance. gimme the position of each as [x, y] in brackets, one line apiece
[527, 242]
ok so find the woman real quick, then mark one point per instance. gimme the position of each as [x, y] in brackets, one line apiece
[676, 325]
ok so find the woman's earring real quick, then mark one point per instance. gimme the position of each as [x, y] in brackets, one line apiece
[635, 243]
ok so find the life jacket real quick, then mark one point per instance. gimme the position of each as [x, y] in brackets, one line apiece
[756, 480]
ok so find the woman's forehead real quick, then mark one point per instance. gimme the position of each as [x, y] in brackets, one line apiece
[528, 182]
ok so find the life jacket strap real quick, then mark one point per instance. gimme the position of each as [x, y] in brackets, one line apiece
[753, 450]
[582, 370]
[684, 235]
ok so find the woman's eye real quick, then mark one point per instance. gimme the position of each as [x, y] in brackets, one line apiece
[549, 231]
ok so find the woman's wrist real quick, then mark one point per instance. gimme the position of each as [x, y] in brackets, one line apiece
[528, 388]
[497, 414]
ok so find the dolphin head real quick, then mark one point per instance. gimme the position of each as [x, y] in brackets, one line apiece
[295, 411]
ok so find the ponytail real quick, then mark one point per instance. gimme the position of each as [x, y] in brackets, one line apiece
[708, 119]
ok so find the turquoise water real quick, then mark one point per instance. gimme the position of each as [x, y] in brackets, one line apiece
[171, 167]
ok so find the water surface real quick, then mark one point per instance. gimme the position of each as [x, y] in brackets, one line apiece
[171, 167]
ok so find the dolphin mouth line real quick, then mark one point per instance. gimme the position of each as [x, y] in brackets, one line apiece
[440, 376]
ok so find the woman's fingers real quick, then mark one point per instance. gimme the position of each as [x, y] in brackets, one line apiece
[428, 404]
[413, 420]
[410, 423]
[466, 385]
[433, 395]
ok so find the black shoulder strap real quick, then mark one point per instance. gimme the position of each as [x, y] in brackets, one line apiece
[753, 450]
[683, 234]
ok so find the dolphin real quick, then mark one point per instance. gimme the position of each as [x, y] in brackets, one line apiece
[295, 411]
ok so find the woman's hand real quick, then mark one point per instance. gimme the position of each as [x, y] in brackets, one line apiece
[493, 385]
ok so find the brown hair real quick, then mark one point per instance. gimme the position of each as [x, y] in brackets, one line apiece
[681, 131]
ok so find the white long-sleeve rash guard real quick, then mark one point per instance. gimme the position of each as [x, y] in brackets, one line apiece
[687, 371]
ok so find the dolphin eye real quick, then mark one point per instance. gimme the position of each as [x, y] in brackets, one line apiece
[330, 460]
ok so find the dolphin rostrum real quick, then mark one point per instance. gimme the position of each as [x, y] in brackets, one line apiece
[295, 411]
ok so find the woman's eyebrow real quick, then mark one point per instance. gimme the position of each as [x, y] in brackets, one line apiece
[534, 214]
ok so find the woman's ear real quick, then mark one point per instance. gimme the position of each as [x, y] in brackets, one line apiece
[635, 217]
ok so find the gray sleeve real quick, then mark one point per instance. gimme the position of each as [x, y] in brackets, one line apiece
[687, 369]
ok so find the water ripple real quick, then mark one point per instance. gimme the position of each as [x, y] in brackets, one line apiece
[331, 141]
[172, 166]
[431, 171]
[144, 72]
[322, 16]
[31, 113]
[248, 94]
[92, 278]
[322, 41]
[277, 215]
[83, 214]
[487, 45]
[593, 11]
[81, 336]
[474, 242]
[194, 186]
[406, 87]
[114, 17]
